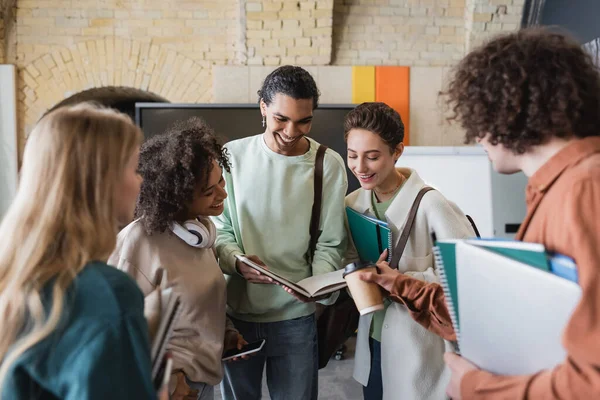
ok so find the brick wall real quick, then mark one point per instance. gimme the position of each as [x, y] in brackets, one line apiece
[289, 32]
[164, 46]
[486, 18]
[416, 32]
[169, 47]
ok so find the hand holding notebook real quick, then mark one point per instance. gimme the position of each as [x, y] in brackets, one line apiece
[252, 275]
[371, 237]
[507, 307]
[310, 287]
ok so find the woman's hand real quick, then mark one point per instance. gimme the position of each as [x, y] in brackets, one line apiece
[384, 277]
[249, 273]
[182, 390]
[233, 340]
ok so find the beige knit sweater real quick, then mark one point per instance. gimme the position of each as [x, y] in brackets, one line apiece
[198, 337]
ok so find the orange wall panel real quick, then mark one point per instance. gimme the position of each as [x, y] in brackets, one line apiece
[392, 86]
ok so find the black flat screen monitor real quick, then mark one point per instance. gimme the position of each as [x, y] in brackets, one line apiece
[236, 121]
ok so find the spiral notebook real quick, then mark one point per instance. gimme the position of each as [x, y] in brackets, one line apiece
[370, 235]
[508, 308]
[444, 253]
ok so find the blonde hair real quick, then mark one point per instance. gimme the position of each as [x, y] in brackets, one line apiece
[63, 216]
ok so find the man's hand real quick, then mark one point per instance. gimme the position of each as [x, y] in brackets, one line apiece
[384, 278]
[249, 273]
[458, 368]
[301, 297]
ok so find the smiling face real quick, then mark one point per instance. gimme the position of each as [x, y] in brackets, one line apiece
[371, 160]
[288, 121]
[209, 197]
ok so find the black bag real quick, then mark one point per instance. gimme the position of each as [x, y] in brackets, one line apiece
[338, 321]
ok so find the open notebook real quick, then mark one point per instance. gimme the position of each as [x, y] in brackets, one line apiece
[310, 287]
[507, 308]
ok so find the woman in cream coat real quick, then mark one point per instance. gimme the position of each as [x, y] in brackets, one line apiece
[397, 357]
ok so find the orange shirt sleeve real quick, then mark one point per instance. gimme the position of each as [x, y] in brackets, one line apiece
[579, 376]
[426, 304]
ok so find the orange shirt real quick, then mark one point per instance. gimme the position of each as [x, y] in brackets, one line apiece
[563, 213]
[426, 304]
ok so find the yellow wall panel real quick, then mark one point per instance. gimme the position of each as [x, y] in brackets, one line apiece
[363, 84]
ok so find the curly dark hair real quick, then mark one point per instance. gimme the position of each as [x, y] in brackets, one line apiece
[378, 118]
[172, 165]
[525, 87]
[292, 81]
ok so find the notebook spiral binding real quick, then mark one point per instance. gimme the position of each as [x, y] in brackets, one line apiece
[444, 282]
[390, 250]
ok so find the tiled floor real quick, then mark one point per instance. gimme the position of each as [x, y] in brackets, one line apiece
[335, 380]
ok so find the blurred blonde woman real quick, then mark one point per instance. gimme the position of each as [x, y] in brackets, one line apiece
[72, 327]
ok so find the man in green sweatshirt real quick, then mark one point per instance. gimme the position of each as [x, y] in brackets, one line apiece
[266, 217]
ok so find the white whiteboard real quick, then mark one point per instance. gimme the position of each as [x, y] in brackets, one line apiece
[461, 174]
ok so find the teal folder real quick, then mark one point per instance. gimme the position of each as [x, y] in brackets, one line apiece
[445, 259]
[533, 254]
[370, 236]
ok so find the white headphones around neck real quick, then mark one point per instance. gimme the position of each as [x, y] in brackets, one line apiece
[200, 232]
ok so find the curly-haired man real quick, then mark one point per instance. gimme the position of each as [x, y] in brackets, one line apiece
[532, 100]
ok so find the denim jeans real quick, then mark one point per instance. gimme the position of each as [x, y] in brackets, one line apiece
[290, 353]
[374, 388]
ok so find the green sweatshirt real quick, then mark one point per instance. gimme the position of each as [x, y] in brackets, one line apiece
[378, 316]
[267, 214]
[101, 349]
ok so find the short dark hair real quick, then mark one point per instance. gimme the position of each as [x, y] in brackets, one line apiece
[172, 164]
[292, 81]
[525, 87]
[378, 118]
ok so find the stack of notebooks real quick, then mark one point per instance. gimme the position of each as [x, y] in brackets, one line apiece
[509, 302]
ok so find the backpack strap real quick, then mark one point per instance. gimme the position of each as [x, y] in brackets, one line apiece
[315, 217]
[410, 220]
[473, 226]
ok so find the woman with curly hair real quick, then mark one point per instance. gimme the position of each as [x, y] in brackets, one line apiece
[183, 186]
[532, 100]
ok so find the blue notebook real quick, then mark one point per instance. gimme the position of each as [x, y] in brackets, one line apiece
[370, 235]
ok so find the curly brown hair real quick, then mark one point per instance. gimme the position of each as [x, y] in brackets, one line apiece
[378, 118]
[172, 165]
[525, 87]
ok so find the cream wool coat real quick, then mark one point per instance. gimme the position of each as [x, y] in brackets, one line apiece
[412, 357]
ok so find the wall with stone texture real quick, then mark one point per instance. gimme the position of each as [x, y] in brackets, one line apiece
[171, 47]
[416, 32]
